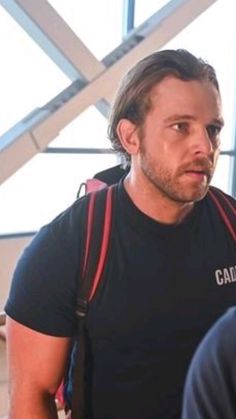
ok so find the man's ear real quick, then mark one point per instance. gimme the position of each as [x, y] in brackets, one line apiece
[128, 136]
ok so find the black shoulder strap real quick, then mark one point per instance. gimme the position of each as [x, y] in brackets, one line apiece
[97, 235]
[226, 207]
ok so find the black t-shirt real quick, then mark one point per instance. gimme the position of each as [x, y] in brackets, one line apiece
[210, 389]
[162, 288]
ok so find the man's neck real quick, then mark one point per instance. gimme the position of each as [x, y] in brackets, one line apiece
[153, 203]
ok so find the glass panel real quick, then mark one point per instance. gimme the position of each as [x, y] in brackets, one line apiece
[144, 9]
[210, 38]
[24, 83]
[222, 173]
[88, 130]
[44, 187]
[49, 183]
[97, 23]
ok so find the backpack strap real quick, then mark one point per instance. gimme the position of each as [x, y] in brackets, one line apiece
[96, 243]
[227, 209]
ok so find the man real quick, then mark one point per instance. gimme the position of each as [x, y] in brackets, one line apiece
[159, 293]
[210, 389]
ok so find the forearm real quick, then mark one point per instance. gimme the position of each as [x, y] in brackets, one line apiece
[36, 366]
[32, 406]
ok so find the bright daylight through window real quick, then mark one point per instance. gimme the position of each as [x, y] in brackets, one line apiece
[30, 79]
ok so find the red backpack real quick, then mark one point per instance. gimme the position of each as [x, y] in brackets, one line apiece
[99, 205]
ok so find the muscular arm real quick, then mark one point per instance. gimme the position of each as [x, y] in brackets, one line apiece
[36, 365]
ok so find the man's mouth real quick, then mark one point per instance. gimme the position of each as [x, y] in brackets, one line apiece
[201, 170]
[199, 174]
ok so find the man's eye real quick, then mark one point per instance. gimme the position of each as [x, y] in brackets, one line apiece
[213, 131]
[180, 126]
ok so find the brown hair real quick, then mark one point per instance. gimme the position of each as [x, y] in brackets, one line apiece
[133, 101]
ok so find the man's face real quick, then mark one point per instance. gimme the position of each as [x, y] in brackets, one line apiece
[179, 140]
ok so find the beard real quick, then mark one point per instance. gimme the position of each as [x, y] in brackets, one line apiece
[175, 186]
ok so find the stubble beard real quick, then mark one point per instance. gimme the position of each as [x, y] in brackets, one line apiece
[169, 185]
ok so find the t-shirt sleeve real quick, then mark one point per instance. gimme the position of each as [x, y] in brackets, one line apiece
[210, 388]
[43, 290]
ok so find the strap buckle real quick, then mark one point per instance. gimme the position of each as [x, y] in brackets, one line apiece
[82, 307]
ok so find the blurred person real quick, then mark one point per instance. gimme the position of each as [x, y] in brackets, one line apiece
[210, 390]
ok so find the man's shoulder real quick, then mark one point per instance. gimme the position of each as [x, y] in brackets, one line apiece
[225, 205]
[74, 218]
[70, 218]
[221, 195]
[218, 201]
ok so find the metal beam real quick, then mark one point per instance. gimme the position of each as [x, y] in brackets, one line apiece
[78, 150]
[59, 112]
[128, 16]
[233, 168]
[232, 186]
[48, 29]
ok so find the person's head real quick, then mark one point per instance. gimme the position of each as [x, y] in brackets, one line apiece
[167, 89]
[133, 100]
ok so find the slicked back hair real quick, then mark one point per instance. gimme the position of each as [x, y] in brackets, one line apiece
[133, 96]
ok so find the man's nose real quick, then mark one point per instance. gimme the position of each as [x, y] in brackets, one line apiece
[203, 143]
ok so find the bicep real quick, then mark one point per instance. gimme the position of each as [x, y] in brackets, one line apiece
[35, 360]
